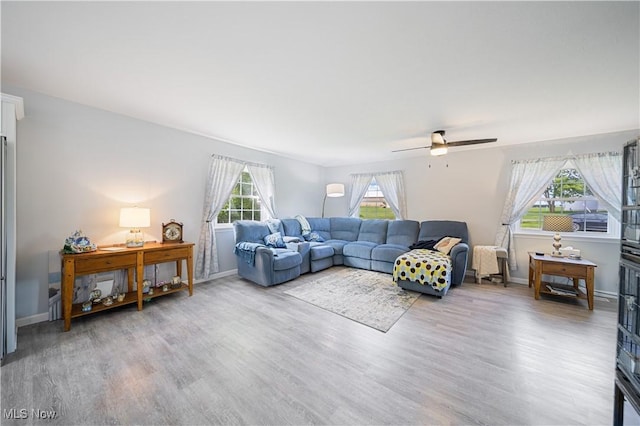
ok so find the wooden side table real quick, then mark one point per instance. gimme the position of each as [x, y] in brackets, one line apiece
[561, 266]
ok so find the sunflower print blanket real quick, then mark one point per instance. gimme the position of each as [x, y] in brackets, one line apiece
[426, 267]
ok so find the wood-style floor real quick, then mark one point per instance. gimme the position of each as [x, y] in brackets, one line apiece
[237, 353]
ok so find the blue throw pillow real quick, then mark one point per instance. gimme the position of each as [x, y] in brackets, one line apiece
[314, 236]
[275, 240]
[273, 224]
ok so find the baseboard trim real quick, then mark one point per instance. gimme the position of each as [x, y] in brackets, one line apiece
[216, 276]
[33, 319]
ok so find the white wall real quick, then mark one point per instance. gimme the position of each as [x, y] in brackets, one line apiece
[472, 185]
[77, 166]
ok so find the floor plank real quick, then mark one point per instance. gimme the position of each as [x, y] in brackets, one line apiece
[237, 353]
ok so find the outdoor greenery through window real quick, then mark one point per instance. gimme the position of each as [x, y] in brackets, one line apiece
[374, 205]
[243, 203]
[568, 195]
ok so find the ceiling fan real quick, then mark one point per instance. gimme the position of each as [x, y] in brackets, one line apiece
[439, 144]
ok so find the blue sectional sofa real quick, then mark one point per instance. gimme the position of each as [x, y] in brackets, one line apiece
[365, 244]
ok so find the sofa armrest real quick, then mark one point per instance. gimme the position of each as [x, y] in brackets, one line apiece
[265, 255]
[459, 254]
[301, 247]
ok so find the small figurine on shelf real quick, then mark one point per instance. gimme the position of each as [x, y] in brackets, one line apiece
[78, 243]
[176, 282]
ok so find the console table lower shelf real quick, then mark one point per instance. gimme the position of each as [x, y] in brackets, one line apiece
[125, 258]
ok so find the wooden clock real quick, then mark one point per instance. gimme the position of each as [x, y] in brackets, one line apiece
[172, 232]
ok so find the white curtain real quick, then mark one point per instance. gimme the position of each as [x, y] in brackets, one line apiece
[529, 179]
[392, 187]
[602, 172]
[264, 182]
[359, 185]
[223, 175]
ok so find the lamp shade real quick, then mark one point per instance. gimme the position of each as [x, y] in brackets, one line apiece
[557, 223]
[335, 190]
[135, 217]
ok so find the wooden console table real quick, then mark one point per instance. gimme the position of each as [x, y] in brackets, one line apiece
[114, 258]
[564, 267]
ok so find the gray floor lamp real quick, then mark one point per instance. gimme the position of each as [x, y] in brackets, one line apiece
[333, 190]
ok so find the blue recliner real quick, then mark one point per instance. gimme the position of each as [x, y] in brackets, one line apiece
[263, 265]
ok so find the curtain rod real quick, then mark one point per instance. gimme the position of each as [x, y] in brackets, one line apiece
[246, 163]
[568, 157]
[375, 173]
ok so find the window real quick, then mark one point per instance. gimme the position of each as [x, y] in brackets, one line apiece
[374, 205]
[569, 195]
[243, 203]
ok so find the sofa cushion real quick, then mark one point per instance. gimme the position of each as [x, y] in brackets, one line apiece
[274, 240]
[337, 245]
[292, 228]
[345, 228]
[373, 230]
[321, 225]
[361, 249]
[438, 229]
[321, 251]
[286, 259]
[250, 231]
[388, 252]
[403, 232]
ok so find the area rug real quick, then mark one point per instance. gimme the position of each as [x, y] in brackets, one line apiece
[370, 298]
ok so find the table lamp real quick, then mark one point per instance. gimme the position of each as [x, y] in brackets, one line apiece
[557, 223]
[135, 218]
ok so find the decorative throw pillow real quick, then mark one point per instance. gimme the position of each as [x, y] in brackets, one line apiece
[446, 244]
[314, 236]
[275, 240]
[274, 225]
[304, 225]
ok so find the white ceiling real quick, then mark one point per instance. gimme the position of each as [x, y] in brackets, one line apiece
[338, 83]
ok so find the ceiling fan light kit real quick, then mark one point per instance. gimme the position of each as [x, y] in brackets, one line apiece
[439, 144]
[438, 149]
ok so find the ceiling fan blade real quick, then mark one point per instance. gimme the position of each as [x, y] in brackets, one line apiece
[471, 142]
[410, 149]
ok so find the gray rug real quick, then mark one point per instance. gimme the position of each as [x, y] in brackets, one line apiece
[370, 298]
